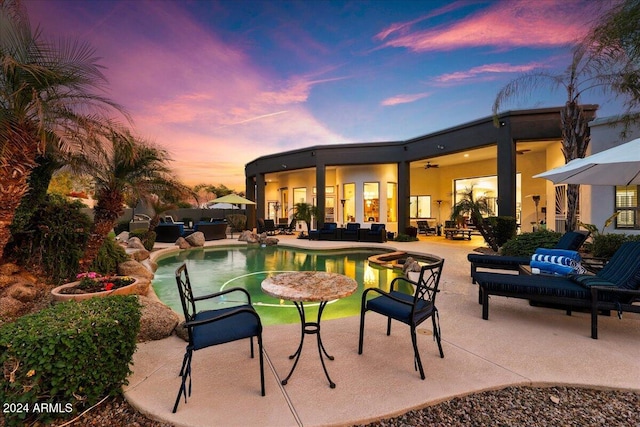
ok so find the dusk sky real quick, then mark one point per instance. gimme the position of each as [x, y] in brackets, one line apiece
[220, 83]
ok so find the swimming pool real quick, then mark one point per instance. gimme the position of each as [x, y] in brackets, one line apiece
[214, 269]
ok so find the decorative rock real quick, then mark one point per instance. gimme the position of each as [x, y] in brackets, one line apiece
[24, 292]
[181, 331]
[134, 268]
[245, 236]
[157, 321]
[152, 266]
[410, 265]
[142, 287]
[11, 307]
[139, 254]
[196, 239]
[182, 243]
[9, 269]
[123, 237]
[270, 241]
[135, 243]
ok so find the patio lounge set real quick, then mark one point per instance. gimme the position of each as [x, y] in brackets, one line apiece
[351, 232]
[170, 232]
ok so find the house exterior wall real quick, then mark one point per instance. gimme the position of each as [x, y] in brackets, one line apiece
[598, 201]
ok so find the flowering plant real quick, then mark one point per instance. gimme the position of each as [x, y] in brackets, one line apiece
[95, 282]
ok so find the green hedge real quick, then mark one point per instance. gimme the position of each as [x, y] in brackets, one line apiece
[109, 256]
[504, 228]
[605, 245]
[68, 356]
[525, 244]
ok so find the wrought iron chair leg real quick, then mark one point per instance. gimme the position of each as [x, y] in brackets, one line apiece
[260, 349]
[435, 318]
[185, 372]
[361, 340]
[414, 340]
[251, 341]
[388, 325]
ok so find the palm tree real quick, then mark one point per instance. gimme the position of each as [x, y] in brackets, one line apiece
[304, 212]
[46, 99]
[132, 168]
[589, 71]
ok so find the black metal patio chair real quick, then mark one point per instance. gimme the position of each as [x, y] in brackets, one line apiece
[212, 327]
[411, 310]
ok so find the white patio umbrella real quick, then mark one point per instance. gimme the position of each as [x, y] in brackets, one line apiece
[619, 165]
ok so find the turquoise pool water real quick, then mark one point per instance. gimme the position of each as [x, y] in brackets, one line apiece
[214, 269]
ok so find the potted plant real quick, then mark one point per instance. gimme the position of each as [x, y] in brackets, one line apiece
[474, 208]
[92, 284]
[304, 212]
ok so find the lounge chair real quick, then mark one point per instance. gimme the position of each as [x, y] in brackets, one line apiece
[615, 287]
[425, 228]
[571, 241]
[287, 228]
[267, 226]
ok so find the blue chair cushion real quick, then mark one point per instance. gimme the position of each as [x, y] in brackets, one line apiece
[398, 311]
[624, 267]
[533, 285]
[242, 325]
[376, 228]
[571, 240]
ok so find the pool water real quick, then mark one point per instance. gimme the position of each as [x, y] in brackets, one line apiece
[214, 269]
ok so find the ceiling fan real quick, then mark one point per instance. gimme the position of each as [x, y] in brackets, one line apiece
[429, 165]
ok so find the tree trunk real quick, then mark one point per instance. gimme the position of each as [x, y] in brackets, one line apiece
[107, 211]
[38, 183]
[575, 140]
[16, 165]
[573, 192]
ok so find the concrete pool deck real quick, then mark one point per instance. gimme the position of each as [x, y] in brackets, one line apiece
[518, 345]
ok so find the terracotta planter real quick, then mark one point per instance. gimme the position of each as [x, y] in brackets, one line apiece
[133, 288]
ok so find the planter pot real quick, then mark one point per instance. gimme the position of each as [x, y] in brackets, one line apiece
[133, 288]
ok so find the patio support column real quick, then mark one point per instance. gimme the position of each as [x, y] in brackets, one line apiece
[404, 191]
[260, 189]
[321, 184]
[506, 168]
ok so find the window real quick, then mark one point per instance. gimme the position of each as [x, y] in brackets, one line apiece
[392, 202]
[627, 206]
[299, 195]
[349, 210]
[420, 206]
[371, 201]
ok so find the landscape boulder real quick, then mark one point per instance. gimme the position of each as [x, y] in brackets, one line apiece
[157, 321]
[196, 239]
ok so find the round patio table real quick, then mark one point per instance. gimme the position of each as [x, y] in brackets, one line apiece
[309, 286]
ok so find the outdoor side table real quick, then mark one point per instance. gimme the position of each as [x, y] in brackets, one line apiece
[309, 286]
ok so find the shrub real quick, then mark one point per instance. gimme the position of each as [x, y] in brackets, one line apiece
[147, 237]
[54, 239]
[109, 256]
[525, 244]
[71, 354]
[405, 238]
[504, 228]
[605, 245]
[237, 221]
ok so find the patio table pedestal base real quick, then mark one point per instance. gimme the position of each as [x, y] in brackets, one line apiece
[310, 328]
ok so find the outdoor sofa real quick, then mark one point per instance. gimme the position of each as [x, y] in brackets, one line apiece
[212, 230]
[377, 233]
[615, 287]
[168, 233]
[571, 240]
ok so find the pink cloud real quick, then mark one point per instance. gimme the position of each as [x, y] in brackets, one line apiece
[485, 71]
[404, 99]
[505, 24]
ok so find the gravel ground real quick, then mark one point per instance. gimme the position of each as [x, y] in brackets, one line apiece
[513, 406]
